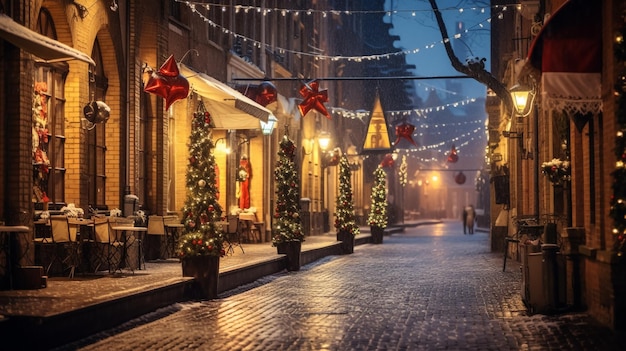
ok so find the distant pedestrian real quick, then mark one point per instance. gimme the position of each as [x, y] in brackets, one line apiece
[465, 220]
[469, 221]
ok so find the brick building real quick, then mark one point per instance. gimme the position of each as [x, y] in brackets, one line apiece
[63, 56]
[567, 123]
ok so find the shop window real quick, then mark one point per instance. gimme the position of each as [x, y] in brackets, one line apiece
[48, 125]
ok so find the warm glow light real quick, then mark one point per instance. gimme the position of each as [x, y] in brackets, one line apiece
[220, 145]
[268, 127]
[522, 99]
[324, 140]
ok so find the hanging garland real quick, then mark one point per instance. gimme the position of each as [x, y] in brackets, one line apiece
[497, 12]
[402, 173]
[618, 200]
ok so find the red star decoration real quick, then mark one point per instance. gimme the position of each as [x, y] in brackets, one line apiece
[453, 157]
[313, 99]
[405, 130]
[168, 83]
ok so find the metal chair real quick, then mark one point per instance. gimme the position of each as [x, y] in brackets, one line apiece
[157, 232]
[109, 248]
[528, 227]
[173, 227]
[233, 235]
[65, 241]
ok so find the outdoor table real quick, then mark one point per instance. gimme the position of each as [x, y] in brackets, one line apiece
[8, 243]
[247, 227]
[124, 229]
[80, 224]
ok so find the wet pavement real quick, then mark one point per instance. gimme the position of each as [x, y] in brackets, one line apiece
[428, 288]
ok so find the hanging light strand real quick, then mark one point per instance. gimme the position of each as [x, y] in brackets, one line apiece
[499, 14]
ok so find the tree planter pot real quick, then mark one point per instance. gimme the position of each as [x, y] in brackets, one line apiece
[206, 271]
[292, 250]
[347, 242]
[377, 234]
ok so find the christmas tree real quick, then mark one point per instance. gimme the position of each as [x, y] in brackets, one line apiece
[287, 225]
[345, 218]
[201, 235]
[378, 211]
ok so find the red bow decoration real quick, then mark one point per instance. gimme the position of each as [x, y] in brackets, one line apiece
[453, 157]
[405, 130]
[460, 178]
[313, 99]
[387, 161]
[263, 94]
[168, 83]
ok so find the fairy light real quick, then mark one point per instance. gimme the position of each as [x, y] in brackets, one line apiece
[461, 10]
[266, 11]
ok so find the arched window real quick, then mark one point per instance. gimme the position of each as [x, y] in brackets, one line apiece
[49, 124]
[96, 139]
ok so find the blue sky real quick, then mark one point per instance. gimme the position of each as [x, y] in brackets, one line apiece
[416, 26]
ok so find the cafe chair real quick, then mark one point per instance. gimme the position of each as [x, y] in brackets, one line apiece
[173, 228]
[129, 239]
[67, 247]
[45, 248]
[157, 241]
[108, 247]
[232, 234]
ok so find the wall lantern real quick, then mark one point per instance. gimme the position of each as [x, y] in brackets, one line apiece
[268, 127]
[96, 112]
[324, 140]
[523, 98]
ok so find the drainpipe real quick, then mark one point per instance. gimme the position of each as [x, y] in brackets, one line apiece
[536, 158]
[127, 84]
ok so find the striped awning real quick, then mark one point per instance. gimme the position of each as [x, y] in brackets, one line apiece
[49, 50]
[229, 108]
[568, 52]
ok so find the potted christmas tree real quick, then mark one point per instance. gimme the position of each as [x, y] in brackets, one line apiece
[287, 234]
[345, 220]
[201, 244]
[377, 218]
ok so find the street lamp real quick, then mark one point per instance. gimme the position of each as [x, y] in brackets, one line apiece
[268, 127]
[222, 147]
[324, 140]
[523, 97]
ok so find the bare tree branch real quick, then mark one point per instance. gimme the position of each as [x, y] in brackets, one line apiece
[474, 69]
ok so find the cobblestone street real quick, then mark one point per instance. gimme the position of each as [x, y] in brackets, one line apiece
[429, 288]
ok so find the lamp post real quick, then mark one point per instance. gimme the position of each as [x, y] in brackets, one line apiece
[324, 140]
[267, 129]
[523, 99]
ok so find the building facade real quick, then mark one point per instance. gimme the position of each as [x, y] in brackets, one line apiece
[79, 128]
[578, 127]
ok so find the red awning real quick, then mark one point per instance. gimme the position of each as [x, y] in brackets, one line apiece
[568, 52]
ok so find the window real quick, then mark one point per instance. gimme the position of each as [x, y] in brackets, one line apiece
[48, 124]
[175, 9]
[96, 140]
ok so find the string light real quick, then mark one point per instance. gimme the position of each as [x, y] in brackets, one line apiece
[420, 112]
[388, 13]
[318, 56]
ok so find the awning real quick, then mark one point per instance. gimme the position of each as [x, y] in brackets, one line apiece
[568, 52]
[39, 45]
[229, 108]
